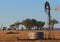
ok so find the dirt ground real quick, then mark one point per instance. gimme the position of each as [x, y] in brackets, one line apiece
[4, 37]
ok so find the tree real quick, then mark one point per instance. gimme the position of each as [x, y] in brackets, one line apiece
[4, 28]
[53, 22]
[17, 25]
[12, 26]
[34, 23]
[9, 29]
[27, 23]
[40, 24]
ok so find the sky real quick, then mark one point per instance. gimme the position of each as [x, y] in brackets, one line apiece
[18, 10]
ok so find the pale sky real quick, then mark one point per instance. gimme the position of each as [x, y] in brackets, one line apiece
[18, 10]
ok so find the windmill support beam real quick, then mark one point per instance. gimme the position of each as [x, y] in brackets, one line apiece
[47, 10]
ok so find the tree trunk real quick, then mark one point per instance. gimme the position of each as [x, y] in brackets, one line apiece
[52, 26]
[37, 27]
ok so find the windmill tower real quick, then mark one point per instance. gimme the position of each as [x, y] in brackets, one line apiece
[47, 10]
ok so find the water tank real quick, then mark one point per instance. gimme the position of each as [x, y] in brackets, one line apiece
[32, 35]
[40, 35]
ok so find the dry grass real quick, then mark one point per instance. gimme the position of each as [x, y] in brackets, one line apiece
[24, 34]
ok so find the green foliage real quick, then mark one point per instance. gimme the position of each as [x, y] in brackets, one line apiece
[12, 26]
[33, 22]
[29, 23]
[4, 28]
[40, 24]
[17, 25]
[53, 22]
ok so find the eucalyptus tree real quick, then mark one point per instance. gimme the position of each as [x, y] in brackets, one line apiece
[17, 25]
[12, 26]
[27, 23]
[4, 28]
[34, 23]
[53, 22]
[40, 24]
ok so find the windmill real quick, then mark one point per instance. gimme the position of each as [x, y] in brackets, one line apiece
[47, 10]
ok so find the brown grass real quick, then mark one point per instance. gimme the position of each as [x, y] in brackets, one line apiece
[24, 34]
